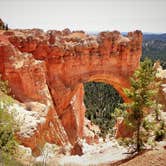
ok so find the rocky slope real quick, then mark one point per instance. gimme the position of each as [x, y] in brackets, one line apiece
[45, 71]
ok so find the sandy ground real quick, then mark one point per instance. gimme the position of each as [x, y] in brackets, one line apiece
[103, 154]
[111, 154]
[150, 158]
[99, 154]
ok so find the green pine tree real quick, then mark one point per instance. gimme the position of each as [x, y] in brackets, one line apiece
[141, 95]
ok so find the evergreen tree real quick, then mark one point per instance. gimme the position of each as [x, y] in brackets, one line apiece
[141, 95]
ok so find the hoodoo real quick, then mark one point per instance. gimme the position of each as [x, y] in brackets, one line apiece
[46, 72]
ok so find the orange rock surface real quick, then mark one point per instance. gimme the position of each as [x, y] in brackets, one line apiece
[51, 67]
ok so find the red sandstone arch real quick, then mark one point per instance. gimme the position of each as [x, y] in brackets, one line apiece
[61, 71]
[64, 85]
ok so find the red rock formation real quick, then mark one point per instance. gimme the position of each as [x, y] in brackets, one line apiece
[27, 80]
[77, 149]
[51, 67]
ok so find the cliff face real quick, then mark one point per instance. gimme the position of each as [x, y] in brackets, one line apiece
[50, 69]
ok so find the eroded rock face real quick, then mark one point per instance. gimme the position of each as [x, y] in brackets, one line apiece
[49, 69]
[27, 80]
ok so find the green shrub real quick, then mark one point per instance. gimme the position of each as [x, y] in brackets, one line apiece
[8, 143]
[160, 133]
[4, 86]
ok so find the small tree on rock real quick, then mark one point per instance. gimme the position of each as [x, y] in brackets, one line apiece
[141, 95]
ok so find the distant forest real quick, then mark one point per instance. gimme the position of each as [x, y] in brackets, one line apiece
[101, 99]
[154, 47]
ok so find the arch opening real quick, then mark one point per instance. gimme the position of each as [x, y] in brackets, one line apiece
[100, 100]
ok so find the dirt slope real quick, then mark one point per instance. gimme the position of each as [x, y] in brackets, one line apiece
[150, 158]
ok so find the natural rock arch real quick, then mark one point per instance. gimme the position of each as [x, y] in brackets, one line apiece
[69, 84]
[50, 68]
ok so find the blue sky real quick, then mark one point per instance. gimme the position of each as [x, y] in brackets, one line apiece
[88, 15]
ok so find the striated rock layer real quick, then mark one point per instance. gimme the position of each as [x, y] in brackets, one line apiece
[49, 68]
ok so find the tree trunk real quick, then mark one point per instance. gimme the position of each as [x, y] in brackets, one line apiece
[138, 136]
